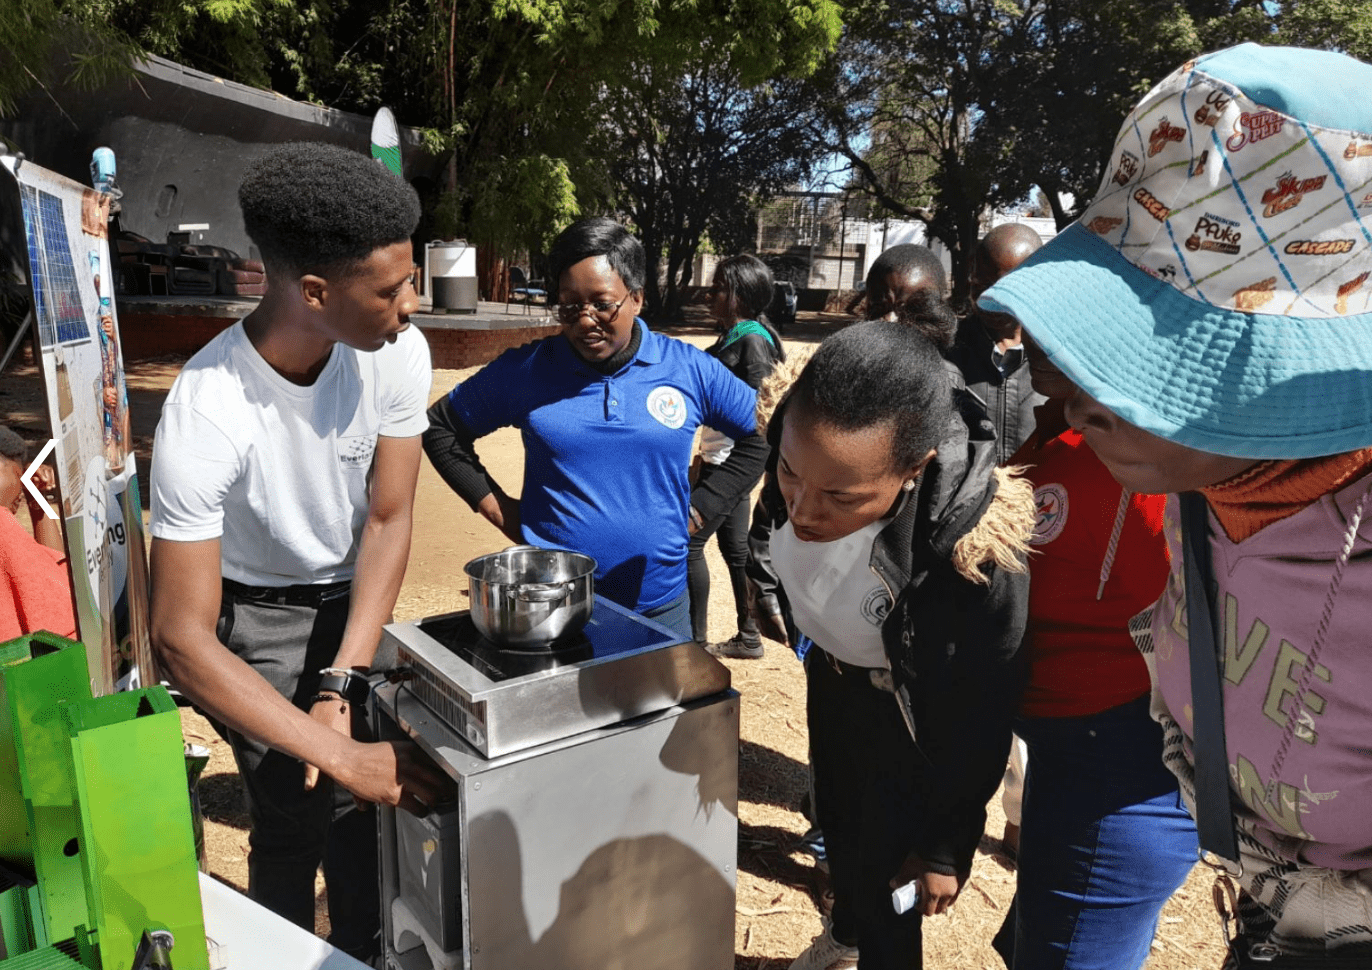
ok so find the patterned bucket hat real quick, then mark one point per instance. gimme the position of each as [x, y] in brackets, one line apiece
[1218, 290]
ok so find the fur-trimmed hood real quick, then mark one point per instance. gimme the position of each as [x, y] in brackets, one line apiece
[972, 525]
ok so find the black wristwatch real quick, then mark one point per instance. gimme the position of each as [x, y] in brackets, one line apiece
[352, 686]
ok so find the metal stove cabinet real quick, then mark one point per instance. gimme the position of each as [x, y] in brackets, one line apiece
[602, 832]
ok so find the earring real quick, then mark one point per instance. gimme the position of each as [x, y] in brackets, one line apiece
[909, 484]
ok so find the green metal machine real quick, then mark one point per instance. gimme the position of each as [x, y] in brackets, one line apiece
[95, 827]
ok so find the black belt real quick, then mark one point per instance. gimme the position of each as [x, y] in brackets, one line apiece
[314, 594]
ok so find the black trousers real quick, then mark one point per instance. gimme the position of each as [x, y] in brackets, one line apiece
[295, 831]
[732, 530]
[867, 781]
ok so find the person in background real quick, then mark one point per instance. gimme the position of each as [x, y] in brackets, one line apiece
[896, 549]
[283, 480]
[988, 353]
[1105, 839]
[900, 273]
[1211, 309]
[608, 411]
[750, 347]
[35, 586]
[989, 350]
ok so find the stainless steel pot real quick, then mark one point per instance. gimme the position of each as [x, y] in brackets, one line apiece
[526, 597]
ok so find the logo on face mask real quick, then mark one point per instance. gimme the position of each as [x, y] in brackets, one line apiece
[667, 405]
[1152, 204]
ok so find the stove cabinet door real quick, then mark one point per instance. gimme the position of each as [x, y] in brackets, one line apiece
[618, 851]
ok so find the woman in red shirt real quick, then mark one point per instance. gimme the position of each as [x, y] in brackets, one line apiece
[1105, 839]
[35, 590]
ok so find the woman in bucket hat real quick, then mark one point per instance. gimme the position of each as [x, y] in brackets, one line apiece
[1212, 308]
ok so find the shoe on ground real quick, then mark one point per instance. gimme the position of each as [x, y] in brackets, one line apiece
[827, 953]
[736, 648]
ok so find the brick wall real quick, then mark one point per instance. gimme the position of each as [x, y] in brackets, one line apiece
[452, 348]
[146, 335]
[149, 335]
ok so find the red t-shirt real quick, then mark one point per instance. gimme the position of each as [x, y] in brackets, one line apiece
[1082, 659]
[35, 593]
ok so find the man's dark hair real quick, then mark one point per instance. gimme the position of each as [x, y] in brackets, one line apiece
[907, 258]
[932, 316]
[598, 236]
[874, 373]
[316, 208]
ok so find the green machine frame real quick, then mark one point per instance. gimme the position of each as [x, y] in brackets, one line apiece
[95, 826]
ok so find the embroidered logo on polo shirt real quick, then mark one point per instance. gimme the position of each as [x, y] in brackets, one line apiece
[667, 405]
[1051, 503]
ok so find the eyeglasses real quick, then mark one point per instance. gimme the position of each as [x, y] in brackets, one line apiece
[602, 310]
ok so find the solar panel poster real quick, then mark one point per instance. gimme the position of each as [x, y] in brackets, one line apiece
[71, 286]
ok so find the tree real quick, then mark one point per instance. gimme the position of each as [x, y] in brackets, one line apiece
[694, 155]
[598, 88]
[994, 97]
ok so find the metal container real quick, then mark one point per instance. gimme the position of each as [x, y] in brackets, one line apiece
[526, 597]
[452, 269]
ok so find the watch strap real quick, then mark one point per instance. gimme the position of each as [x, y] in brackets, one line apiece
[352, 687]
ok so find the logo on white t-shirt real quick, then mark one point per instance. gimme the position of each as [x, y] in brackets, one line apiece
[1051, 503]
[667, 405]
[356, 450]
[876, 606]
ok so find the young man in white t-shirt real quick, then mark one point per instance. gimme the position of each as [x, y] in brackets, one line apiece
[283, 483]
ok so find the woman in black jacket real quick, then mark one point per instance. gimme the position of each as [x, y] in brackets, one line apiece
[750, 347]
[895, 546]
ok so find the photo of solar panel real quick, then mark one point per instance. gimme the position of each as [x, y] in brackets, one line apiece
[57, 300]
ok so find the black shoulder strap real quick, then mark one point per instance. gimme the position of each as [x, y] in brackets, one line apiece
[1214, 814]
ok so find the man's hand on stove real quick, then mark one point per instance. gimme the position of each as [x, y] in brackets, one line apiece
[334, 712]
[394, 773]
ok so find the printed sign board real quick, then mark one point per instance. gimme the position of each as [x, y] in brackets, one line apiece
[70, 282]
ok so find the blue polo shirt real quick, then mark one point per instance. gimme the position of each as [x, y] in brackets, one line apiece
[606, 457]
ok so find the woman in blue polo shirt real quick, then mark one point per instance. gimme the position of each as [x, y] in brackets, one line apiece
[608, 411]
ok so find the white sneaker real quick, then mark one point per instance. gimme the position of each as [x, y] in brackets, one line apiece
[827, 953]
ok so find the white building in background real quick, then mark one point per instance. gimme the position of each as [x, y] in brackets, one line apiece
[807, 238]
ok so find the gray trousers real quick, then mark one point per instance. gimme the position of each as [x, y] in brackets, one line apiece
[295, 831]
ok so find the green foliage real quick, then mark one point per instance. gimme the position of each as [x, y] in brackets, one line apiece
[32, 35]
[693, 153]
[946, 108]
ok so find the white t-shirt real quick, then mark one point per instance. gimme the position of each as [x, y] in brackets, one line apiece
[715, 446]
[279, 472]
[836, 599]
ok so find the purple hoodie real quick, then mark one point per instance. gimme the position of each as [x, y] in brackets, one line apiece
[1272, 591]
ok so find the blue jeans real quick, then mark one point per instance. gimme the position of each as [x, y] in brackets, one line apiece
[675, 615]
[1105, 840]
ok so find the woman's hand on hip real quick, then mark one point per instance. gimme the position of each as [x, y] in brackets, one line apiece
[502, 512]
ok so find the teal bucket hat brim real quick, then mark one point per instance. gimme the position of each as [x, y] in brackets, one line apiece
[1247, 385]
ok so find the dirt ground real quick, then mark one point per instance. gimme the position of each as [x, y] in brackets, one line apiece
[777, 903]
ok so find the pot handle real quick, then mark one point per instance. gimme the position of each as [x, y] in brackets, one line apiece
[543, 593]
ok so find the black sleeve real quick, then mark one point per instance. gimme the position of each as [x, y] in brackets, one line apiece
[733, 480]
[451, 448]
[964, 710]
